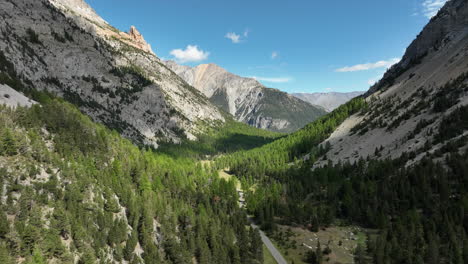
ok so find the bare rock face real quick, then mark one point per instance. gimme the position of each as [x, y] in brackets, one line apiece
[407, 107]
[447, 27]
[248, 100]
[13, 98]
[114, 77]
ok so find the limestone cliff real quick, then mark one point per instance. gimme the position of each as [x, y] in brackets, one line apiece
[248, 100]
[64, 47]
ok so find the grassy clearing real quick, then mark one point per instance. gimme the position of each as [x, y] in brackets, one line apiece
[295, 242]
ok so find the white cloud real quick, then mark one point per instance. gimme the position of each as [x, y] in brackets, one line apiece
[233, 37]
[431, 7]
[237, 38]
[190, 54]
[274, 55]
[328, 90]
[272, 80]
[369, 66]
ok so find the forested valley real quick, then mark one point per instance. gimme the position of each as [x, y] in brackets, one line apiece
[76, 191]
[420, 211]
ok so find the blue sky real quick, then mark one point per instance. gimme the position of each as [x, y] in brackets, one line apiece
[295, 45]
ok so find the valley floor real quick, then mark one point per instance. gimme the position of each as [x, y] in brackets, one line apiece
[295, 242]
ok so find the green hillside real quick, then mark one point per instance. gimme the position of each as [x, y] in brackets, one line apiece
[76, 190]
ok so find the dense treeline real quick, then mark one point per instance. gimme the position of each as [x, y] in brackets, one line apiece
[420, 211]
[273, 159]
[74, 190]
[227, 137]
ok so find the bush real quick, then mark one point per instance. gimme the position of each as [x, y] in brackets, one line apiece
[32, 36]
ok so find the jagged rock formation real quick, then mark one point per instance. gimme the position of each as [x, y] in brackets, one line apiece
[65, 47]
[248, 100]
[139, 41]
[328, 101]
[415, 96]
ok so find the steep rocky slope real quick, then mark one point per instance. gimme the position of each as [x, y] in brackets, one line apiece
[415, 98]
[248, 100]
[64, 47]
[329, 101]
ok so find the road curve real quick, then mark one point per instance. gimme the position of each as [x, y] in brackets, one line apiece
[266, 241]
[274, 252]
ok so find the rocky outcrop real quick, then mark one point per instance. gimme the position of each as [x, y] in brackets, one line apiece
[62, 46]
[248, 100]
[328, 101]
[138, 39]
[12, 98]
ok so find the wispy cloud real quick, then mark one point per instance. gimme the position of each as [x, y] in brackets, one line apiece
[235, 38]
[274, 55]
[431, 7]
[246, 33]
[190, 54]
[273, 80]
[369, 66]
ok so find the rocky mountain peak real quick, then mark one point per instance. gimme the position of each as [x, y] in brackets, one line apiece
[138, 40]
[247, 99]
[79, 9]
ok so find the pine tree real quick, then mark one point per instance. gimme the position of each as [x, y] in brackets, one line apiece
[8, 144]
[37, 257]
[4, 225]
[5, 257]
[359, 255]
[318, 253]
[256, 245]
[130, 246]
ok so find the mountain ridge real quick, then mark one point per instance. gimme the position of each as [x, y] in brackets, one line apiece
[65, 47]
[247, 99]
[328, 100]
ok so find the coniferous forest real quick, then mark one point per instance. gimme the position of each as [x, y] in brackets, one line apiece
[72, 186]
[111, 154]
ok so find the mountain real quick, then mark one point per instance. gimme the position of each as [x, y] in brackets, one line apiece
[414, 97]
[248, 100]
[64, 47]
[393, 161]
[329, 101]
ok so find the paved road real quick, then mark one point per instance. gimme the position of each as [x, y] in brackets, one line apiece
[274, 252]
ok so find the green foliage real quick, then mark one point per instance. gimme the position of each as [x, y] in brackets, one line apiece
[226, 138]
[174, 208]
[272, 159]
[453, 125]
[8, 144]
[32, 36]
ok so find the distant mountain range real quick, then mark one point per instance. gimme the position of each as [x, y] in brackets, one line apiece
[247, 99]
[329, 101]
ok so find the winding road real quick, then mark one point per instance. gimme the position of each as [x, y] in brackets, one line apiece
[269, 245]
[274, 252]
